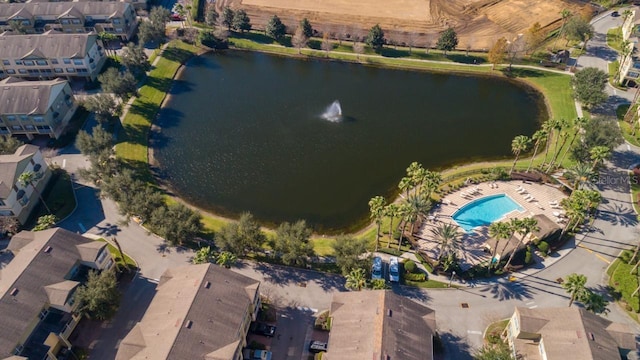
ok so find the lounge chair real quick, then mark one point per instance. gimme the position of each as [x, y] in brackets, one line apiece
[531, 199]
[556, 207]
[554, 202]
[527, 196]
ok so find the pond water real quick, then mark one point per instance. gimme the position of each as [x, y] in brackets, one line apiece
[252, 132]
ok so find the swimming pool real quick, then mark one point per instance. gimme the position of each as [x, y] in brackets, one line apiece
[484, 211]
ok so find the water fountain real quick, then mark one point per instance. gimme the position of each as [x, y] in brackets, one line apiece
[333, 112]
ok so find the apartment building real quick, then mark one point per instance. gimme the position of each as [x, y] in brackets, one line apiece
[35, 107]
[51, 55]
[137, 4]
[118, 18]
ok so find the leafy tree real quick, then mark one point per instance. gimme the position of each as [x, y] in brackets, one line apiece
[498, 351]
[9, 145]
[106, 39]
[9, 225]
[238, 237]
[358, 48]
[211, 15]
[292, 242]
[45, 222]
[578, 29]
[379, 284]
[598, 131]
[448, 237]
[120, 84]
[203, 255]
[226, 259]
[241, 21]
[181, 11]
[534, 37]
[209, 39]
[134, 59]
[574, 284]
[498, 52]
[307, 29]
[447, 41]
[91, 144]
[299, 39]
[227, 17]
[589, 85]
[275, 28]
[176, 223]
[17, 27]
[356, 279]
[519, 144]
[376, 212]
[155, 28]
[499, 231]
[348, 252]
[104, 106]
[30, 178]
[99, 298]
[375, 38]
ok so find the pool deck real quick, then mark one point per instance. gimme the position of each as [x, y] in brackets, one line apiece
[475, 244]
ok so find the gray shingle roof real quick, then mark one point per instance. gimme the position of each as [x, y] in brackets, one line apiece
[12, 165]
[30, 271]
[50, 46]
[28, 97]
[95, 8]
[216, 313]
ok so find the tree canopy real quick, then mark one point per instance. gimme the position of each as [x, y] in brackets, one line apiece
[447, 41]
[211, 15]
[275, 28]
[498, 52]
[120, 84]
[307, 29]
[349, 252]
[134, 59]
[176, 223]
[241, 21]
[292, 243]
[589, 85]
[240, 237]
[155, 27]
[104, 106]
[99, 298]
[375, 38]
[9, 144]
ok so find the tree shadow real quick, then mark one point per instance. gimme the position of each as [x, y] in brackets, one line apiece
[504, 290]
[412, 293]
[455, 346]
[516, 73]
[466, 59]
[176, 54]
[284, 275]
[393, 53]
[108, 230]
[618, 214]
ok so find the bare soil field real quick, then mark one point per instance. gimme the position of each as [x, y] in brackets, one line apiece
[478, 23]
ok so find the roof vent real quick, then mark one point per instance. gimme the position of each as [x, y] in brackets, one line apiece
[389, 312]
[14, 291]
[592, 337]
[207, 284]
[47, 249]
[188, 324]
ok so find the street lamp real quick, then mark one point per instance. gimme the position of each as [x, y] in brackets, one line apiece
[453, 273]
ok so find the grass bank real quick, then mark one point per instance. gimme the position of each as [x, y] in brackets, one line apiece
[625, 284]
[614, 38]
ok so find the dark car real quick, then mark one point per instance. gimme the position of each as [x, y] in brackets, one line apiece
[176, 17]
[262, 329]
[317, 346]
[615, 14]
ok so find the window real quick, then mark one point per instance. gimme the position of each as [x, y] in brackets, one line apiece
[33, 71]
[23, 199]
[38, 119]
[26, 22]
[118, 30]
[30, 127]
[102, 255]
[67, 30]
[28, 62]
[82, 70]
[11, 117]
[41, 62]
[11, 71]
[44, 129]
[22, 71]
[43, 314]
[24, 118]
[18, 62]
[75, 21]
[70, 70]
[58, 70]
[66, 61]
[78, 62]
[16, 127]
[6, 62]
[116, 21]
[80, 31]
[37, 167]
[54, 61]
[4, 130]
[64, 21]
[46, 71]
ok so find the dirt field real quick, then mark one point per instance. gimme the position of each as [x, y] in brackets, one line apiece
[478, 22]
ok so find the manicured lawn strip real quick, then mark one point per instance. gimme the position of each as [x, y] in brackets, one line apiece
[613, 70]
[128, 262]
[625, 283]
[59, 198]
[625, 127]
[429, 284]
[635, 192]
[614, 38]
[133, 140]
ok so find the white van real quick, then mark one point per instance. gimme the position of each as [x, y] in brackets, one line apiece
[376, 268]
[394, 270]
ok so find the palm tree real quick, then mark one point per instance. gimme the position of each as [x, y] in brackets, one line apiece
[404, 211]
[519, 144]
[376, 212]
[30, 178]
[392, 210]
[595, 302]
[574, 211]
[499, 231]
[418, 205]
[548, 127]
[448, 236]
[226, 259]
[430, 182]
[578, 126]
[559, 126]
[574, 284]
[514, 225]
[538, 137]
[581, 174]
[524, 227]
[598, 155]
[356, 280]
[405, 185]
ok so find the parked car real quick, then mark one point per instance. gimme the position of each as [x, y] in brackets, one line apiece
[251, 354]
[262, 329]
[394, 269]
[176, 17]
[317, 346]
[376, 268]
[615, 14]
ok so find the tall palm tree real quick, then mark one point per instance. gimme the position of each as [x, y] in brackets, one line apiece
[578, 126]
[599, 154]
[559, 126]
[514, 225]
[431, 182]
[29, 178]
[226, 259]
[448, 236]
[418, 206]
[548, 127]
[392, 211]
[525, 227]
[376, 212]
[538, 137]
[356, 279]
[566, 14]
[580, 174]
[519, 144]
[404, 211]
[499, 231]
[405, 185]
[574, 284]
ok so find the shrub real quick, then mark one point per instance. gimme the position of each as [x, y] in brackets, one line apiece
[528, 259]
[410, 266]
[543, 246]
[390, 251]
[415, 277]
[396, 234]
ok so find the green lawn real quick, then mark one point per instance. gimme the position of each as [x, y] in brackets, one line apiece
[614, 38]
[624, 282]
[58, 196]
[429, 284]
[613, 66]
[128, 262]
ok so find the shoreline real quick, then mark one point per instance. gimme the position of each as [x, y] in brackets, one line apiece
[161, 182]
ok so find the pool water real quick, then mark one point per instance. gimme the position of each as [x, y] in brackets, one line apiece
[484, 211]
